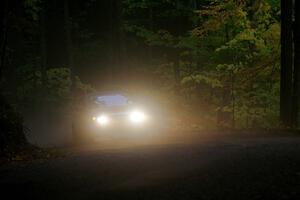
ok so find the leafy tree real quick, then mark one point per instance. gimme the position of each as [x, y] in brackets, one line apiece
[230, 63]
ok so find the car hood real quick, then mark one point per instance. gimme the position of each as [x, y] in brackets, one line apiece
[111, 110]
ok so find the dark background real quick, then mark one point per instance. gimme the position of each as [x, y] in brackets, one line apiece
[218, 64]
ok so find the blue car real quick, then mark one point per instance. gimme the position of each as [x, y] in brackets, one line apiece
[111, 114]
[117, 110]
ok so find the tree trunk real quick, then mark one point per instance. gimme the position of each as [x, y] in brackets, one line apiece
[232, 100]
[176, 58]
[69, 47]
[43, 41]
[42, 108]
[296, 96]
[176, 69]
[151, 25]
[114, 41]
[4, 37]
[286, 63]
[69, 42]
[224, 117]
[119, 42]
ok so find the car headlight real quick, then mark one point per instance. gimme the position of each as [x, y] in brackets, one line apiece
[137, 116]
[102, 120]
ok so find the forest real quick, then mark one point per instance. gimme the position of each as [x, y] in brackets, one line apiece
[217, 63]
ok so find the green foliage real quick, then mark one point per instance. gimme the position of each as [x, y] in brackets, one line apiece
[234, 50]
[201, 79]
[57, 89]
[12, 132]
[217, 59]
[32, 7]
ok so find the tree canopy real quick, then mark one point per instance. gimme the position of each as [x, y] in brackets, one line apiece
[216, 61]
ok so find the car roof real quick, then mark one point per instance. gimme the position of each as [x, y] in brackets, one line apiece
[111, 100]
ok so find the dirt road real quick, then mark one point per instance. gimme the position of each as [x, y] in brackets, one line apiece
[204, 168]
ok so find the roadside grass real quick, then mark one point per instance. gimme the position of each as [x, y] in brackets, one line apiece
[30, 152]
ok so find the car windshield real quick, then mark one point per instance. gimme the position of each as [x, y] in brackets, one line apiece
[112, 100]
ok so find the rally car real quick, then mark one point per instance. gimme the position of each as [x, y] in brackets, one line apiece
[111, 114]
